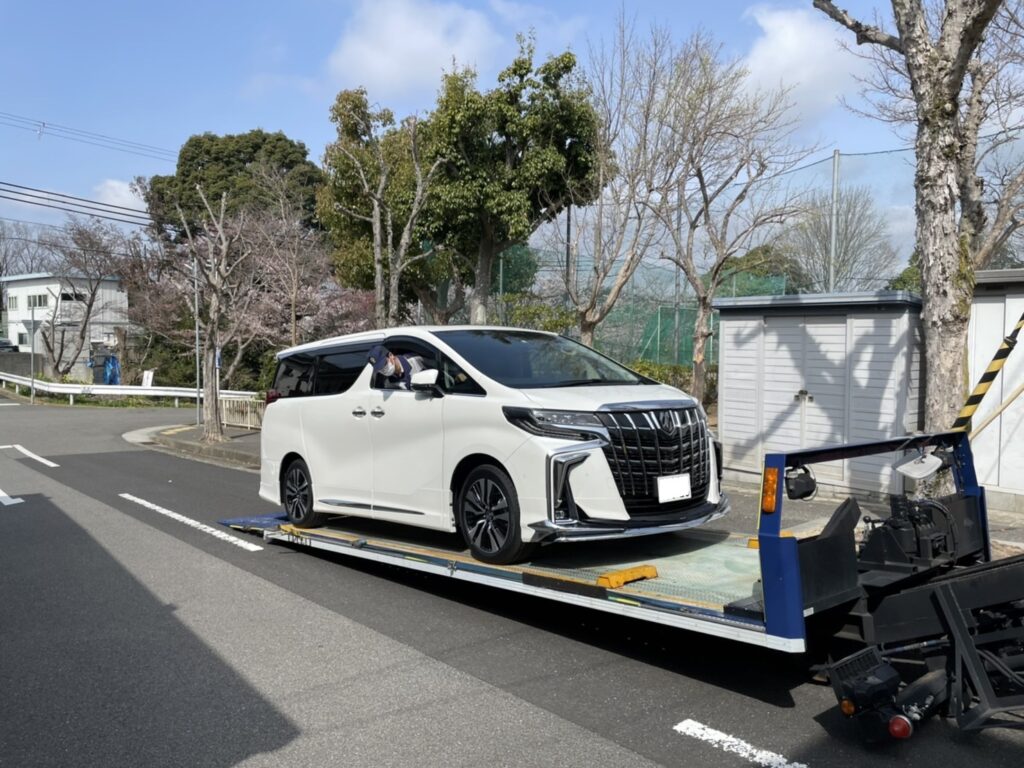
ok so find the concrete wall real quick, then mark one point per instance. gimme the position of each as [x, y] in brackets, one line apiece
[20, 363]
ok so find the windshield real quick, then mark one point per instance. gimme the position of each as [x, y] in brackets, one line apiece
[526, 360]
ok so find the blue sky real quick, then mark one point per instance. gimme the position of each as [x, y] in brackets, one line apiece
[157, 73]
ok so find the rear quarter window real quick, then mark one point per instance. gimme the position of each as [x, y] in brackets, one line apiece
[295, 376]
[337, 371]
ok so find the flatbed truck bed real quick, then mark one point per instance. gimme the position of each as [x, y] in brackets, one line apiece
[704, 581]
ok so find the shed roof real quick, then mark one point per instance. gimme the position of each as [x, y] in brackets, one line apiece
[994, 280]
[811, 303]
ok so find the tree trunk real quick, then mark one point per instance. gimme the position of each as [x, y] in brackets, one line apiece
[946, 267]
[213, 430]
[379, 305]
[587, 328]
[701, 334]
[394, 299]
[482, 283]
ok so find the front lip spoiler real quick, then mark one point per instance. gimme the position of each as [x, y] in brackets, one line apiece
[574, 531]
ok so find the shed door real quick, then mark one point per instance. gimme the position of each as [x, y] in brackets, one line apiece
[805, 375]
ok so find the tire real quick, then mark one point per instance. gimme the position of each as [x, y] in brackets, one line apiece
[297, 496]
[487, 513]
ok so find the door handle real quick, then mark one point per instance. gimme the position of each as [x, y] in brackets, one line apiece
[359, 412]
[377, 412]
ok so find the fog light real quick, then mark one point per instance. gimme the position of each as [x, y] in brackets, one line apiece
[900, 727]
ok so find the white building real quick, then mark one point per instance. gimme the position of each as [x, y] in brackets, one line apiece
[61, 299]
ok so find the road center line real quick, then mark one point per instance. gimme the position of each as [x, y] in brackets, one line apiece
[222, 535]
[40, 459]
[727, 743]
[7, 500]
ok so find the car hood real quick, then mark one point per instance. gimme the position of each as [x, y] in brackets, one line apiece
[593, 398]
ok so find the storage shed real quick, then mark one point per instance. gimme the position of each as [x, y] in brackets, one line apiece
[810, 370]
[999, 448]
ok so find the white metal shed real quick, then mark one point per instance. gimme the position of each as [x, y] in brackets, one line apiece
[999, 448]
[809, 370]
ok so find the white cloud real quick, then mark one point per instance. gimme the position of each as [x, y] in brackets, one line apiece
[800, 48]
[399, 48]
[117, 192]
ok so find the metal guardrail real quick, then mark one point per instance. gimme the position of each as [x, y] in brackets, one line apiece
[239, 408]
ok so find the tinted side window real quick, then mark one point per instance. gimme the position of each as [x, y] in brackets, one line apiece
[295, 376]
[456, 381]
[337, 371]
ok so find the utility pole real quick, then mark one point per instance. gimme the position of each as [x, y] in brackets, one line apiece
[675, 316]
[32, 395]
[501, 285]
[195, 293]
[835, 221]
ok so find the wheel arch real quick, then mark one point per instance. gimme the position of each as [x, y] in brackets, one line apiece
[286, 461]
[466, 465]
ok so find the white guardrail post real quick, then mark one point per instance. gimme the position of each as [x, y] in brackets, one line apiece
[240, 408]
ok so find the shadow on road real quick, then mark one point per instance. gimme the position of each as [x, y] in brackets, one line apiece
[95, 671]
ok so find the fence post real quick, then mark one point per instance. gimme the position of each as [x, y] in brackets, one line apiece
[71, 398]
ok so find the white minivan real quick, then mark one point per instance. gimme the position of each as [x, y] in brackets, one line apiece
[512, 437]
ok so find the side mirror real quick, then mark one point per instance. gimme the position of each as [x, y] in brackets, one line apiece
[425, 381]
[800, 483]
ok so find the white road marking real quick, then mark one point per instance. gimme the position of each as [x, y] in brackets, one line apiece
[7, 500]
[4, 405]
[27, 452]
[728, 743]
[246, 545]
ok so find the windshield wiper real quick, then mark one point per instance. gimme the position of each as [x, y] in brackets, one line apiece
[584, 382]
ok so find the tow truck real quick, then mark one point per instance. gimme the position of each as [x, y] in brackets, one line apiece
[915, 617]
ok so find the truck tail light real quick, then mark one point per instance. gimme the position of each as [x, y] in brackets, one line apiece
[272, 396]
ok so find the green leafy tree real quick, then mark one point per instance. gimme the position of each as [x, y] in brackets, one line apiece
[517, 156]
[770, 261]
[910, 278]
[378, 182]
[221, 166]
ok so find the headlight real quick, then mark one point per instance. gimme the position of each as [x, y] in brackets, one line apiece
[567, 425]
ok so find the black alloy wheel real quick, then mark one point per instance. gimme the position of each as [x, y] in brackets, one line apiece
[297, 495]
[487, 511]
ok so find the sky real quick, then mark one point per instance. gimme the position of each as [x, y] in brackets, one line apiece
[157, 73]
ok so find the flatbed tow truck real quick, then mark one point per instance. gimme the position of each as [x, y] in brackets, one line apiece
[914, 617]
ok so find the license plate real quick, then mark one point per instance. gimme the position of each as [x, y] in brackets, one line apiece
[673, 487]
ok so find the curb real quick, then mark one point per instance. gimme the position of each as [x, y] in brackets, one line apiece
[222, 453]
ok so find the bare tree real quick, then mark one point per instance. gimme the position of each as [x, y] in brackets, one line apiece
[723, 188]
[944, 53]
[628, 81]
[23, 249]
[82, 259]
[377, 177]
[230, 314]
[864, 258]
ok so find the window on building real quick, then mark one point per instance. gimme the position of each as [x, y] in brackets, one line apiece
[22, 339]
[38, 300]
[12, 302]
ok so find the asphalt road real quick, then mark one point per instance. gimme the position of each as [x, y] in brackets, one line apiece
[128, 638]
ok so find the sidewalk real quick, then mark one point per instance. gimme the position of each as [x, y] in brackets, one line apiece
[242, 449]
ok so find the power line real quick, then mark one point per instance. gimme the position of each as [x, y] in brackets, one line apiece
[72, 210]
[88, 208]
[43, 128]
[73, 197]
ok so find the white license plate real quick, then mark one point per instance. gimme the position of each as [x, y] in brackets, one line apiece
[673, 487]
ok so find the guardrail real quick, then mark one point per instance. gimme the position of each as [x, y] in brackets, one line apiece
[239, 408]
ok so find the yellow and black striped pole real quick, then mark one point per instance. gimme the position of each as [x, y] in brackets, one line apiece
[963, 420]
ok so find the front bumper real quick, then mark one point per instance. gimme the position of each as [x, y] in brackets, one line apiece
[573, 530]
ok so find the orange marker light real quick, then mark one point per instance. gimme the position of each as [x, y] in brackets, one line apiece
[847, 707]
[769, 490]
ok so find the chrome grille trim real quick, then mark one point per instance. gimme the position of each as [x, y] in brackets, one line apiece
[640, 450]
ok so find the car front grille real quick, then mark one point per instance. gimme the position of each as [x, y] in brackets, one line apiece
[646, 445]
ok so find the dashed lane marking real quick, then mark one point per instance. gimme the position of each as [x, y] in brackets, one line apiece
[727, 743]
[4, 405]
[8, 500]
[223, 536]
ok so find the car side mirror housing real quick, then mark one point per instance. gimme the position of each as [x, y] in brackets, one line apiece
[425, 381]
[800, 483]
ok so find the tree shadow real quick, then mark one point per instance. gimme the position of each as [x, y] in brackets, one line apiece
[863, 413]
[97, 671]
